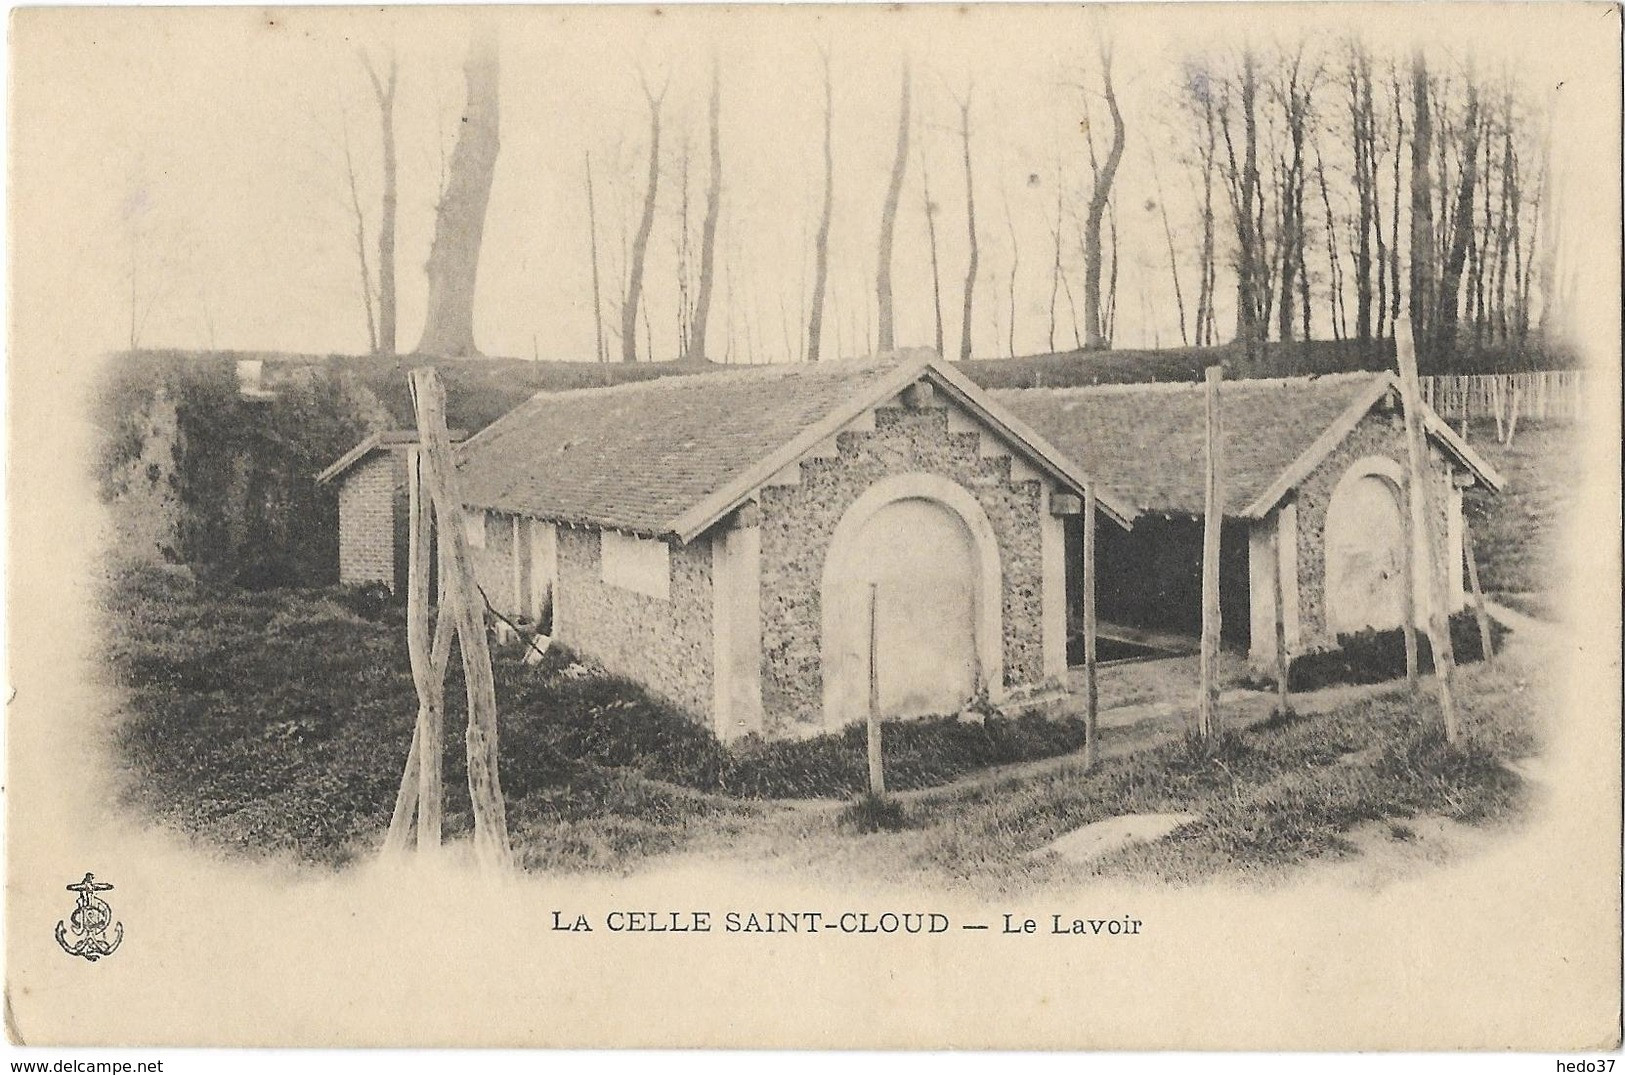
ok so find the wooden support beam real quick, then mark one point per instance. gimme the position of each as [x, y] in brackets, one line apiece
[1283, 661]
[877, 772]
[1485, 640]
[1407, 572]
[1421, 501]
[1091, 693]
[1065, 504]
[491, 846]
[1209, 722]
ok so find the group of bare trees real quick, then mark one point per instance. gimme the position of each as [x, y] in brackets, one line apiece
[1337, 190]
[452, 268]
[1326, 130]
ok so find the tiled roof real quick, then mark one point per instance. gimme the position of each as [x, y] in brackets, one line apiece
[1147, 441]
[381, 441]
[637, 456]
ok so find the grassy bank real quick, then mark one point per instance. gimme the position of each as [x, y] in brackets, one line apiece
[280, 720]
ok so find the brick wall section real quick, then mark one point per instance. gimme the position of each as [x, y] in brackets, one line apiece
[798, 521]
[1378, 434]
[663, 644]
[367, 521]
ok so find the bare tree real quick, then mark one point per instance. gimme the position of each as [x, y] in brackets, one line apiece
[888, 223]
[1293, 90]
[1094, 322]
[600, 354]
[360, 241]
[383, 89]
[454, 257]
[1197, 97]
[815, 320]
[970, 227]
[640, 242]
[1173, 260]
[931, 236]
[1461, 231]
[1421, 284]
[708, 237]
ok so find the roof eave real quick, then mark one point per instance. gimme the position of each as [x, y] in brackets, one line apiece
[1335, 434]
[969, 395]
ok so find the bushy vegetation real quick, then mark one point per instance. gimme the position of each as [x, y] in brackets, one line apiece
[1295, 358]
[1377, 656]
[281, 719]
[242, 472]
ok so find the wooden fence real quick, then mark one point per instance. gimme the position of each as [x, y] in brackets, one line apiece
[1551, 395]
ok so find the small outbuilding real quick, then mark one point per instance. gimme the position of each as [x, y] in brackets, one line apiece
[371, 480]
[1317, 461]
[764, 547]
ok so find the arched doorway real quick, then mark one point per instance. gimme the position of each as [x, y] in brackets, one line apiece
[913, 574]
[1364, 543]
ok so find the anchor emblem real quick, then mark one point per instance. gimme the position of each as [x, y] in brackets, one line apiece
[89, 921]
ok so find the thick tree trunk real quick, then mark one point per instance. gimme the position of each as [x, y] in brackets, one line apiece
[454, 257]
[1359, 79]
[708, 238]
[640, 242]
[815, 319]
[384, 91]
[1094, 323]
[888, 224]
[1461, 230]
[970, 226]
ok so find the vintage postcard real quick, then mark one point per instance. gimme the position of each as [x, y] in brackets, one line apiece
[933, 527]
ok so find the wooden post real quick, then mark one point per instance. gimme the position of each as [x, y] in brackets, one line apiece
[1091, 692]
[877, 774]
[1421, 504]
[1283, 663]
[491, 845]
[1407, 576]
[1485, 641]
[1512, 419]
[1209, 723]
[420, 783]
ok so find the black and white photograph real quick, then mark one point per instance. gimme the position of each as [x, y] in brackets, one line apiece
[1004, 526]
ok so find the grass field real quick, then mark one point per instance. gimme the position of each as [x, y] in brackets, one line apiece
[277, 722]
[1517, 534]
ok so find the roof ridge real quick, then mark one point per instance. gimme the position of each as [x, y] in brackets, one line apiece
[1148, 387]
[758, 371]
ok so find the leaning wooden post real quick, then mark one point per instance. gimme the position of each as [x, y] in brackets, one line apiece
[420, 783]
[1209, 724]
[1421, 504]
[1091, 691]
[1486, 642]
[491, 845]
[877, 774]
[1283, 663]
[1407, 578]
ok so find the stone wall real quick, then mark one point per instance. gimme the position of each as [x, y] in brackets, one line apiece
[664, 644]
[493, 564]
[798, 521]
[1378, 434]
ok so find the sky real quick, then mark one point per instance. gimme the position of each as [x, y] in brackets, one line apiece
[202, 153]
